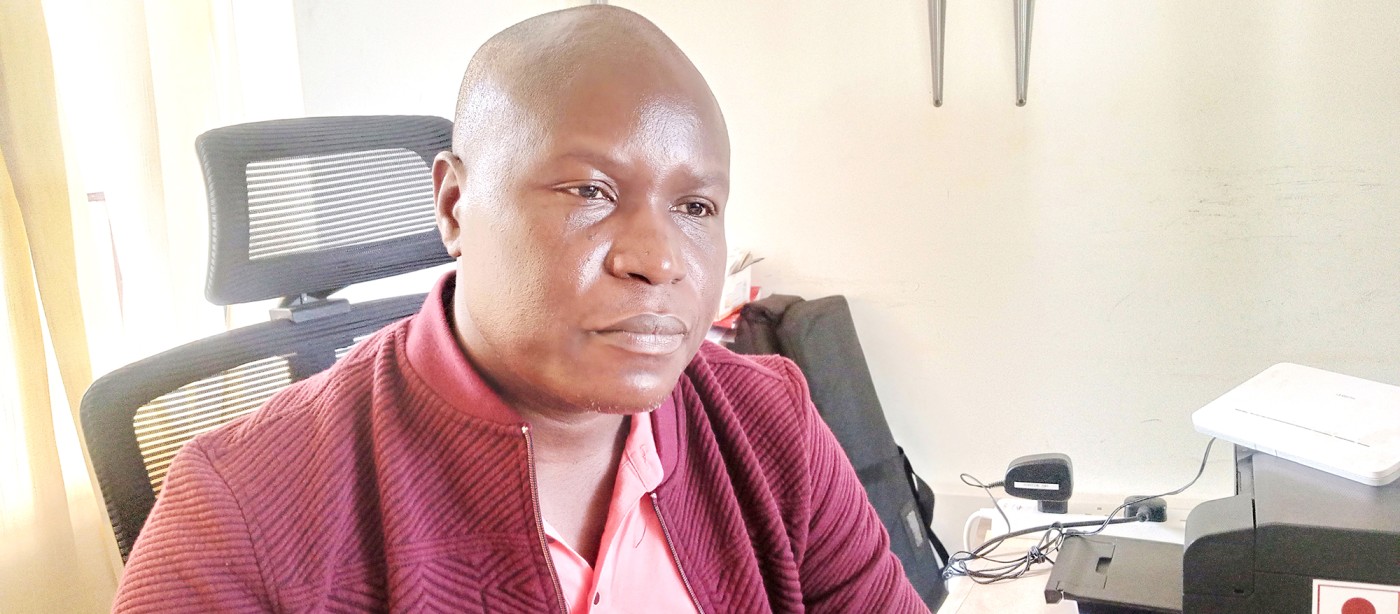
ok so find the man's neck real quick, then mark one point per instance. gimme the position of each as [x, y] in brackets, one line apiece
[572, 437]
[576, 460]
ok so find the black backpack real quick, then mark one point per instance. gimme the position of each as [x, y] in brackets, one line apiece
[820, 337]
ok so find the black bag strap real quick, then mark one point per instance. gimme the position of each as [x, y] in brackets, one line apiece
[923, 496]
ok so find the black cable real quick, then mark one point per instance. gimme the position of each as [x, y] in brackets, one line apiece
[987, 487]
[1049, 543]
[1052, 538]
[1199, 472]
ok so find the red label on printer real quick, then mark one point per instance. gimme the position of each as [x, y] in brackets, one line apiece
[1337, 597]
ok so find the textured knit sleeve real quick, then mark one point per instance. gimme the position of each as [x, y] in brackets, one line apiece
[848, 565]
[194, 553]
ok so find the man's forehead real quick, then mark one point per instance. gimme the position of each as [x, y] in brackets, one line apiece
[620, 129]
[638, 109]
[588, 68]
[608, 119]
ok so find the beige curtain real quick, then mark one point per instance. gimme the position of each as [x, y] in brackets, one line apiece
[103, 238]
[58, 553]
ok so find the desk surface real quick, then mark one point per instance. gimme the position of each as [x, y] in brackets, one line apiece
[1026, 595]
[1022, 595]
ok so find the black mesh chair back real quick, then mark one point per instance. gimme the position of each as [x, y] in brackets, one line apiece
[298, 209]
[309, 206]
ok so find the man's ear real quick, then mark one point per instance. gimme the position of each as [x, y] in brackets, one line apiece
[447, 190]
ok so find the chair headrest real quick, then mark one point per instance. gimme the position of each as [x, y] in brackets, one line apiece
[312, 205]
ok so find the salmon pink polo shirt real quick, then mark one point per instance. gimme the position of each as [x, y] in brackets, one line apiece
[635, 569]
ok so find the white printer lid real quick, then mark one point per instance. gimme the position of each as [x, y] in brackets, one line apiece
[1337, 423]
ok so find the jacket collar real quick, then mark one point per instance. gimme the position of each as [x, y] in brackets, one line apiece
[434, 353]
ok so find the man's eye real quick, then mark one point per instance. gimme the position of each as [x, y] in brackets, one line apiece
[589, 192]
[695, 209]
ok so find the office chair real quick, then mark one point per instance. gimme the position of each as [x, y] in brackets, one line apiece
[298, 209]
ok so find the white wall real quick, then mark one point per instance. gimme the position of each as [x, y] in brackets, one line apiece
[366, 56]
[1196, 190]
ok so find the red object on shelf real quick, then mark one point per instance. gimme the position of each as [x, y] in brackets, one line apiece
[731, 319]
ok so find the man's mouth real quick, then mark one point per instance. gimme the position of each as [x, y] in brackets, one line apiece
[647, 333]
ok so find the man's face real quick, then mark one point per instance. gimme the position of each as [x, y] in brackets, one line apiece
[592, 247]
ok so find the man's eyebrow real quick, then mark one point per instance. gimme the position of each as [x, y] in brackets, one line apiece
[718, 178]
[590, 156]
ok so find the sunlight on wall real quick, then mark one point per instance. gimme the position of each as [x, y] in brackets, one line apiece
[1195, 190]
[167, 72]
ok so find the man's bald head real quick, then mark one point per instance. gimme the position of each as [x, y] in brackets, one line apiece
[517, 80]
[584, 198]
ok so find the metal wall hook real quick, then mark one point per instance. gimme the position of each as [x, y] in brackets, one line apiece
[1024, 12]
[937, 10]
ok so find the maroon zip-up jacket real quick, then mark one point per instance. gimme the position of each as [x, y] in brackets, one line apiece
[397, 480]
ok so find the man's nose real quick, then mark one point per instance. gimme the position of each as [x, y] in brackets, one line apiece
[646, 246]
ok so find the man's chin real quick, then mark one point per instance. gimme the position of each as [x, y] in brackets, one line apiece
[624, 410]
[626, 390]
[637, 402]
[630, 396]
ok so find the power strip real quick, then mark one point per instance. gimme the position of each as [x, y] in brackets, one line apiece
[1023, 514]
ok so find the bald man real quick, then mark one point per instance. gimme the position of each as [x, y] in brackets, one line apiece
[551, 433]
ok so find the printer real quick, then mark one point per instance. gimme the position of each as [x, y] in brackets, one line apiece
[1279, 546]
[1290, 525]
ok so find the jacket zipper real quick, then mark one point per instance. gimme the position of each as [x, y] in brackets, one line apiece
[539, 519]
[674, 556]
